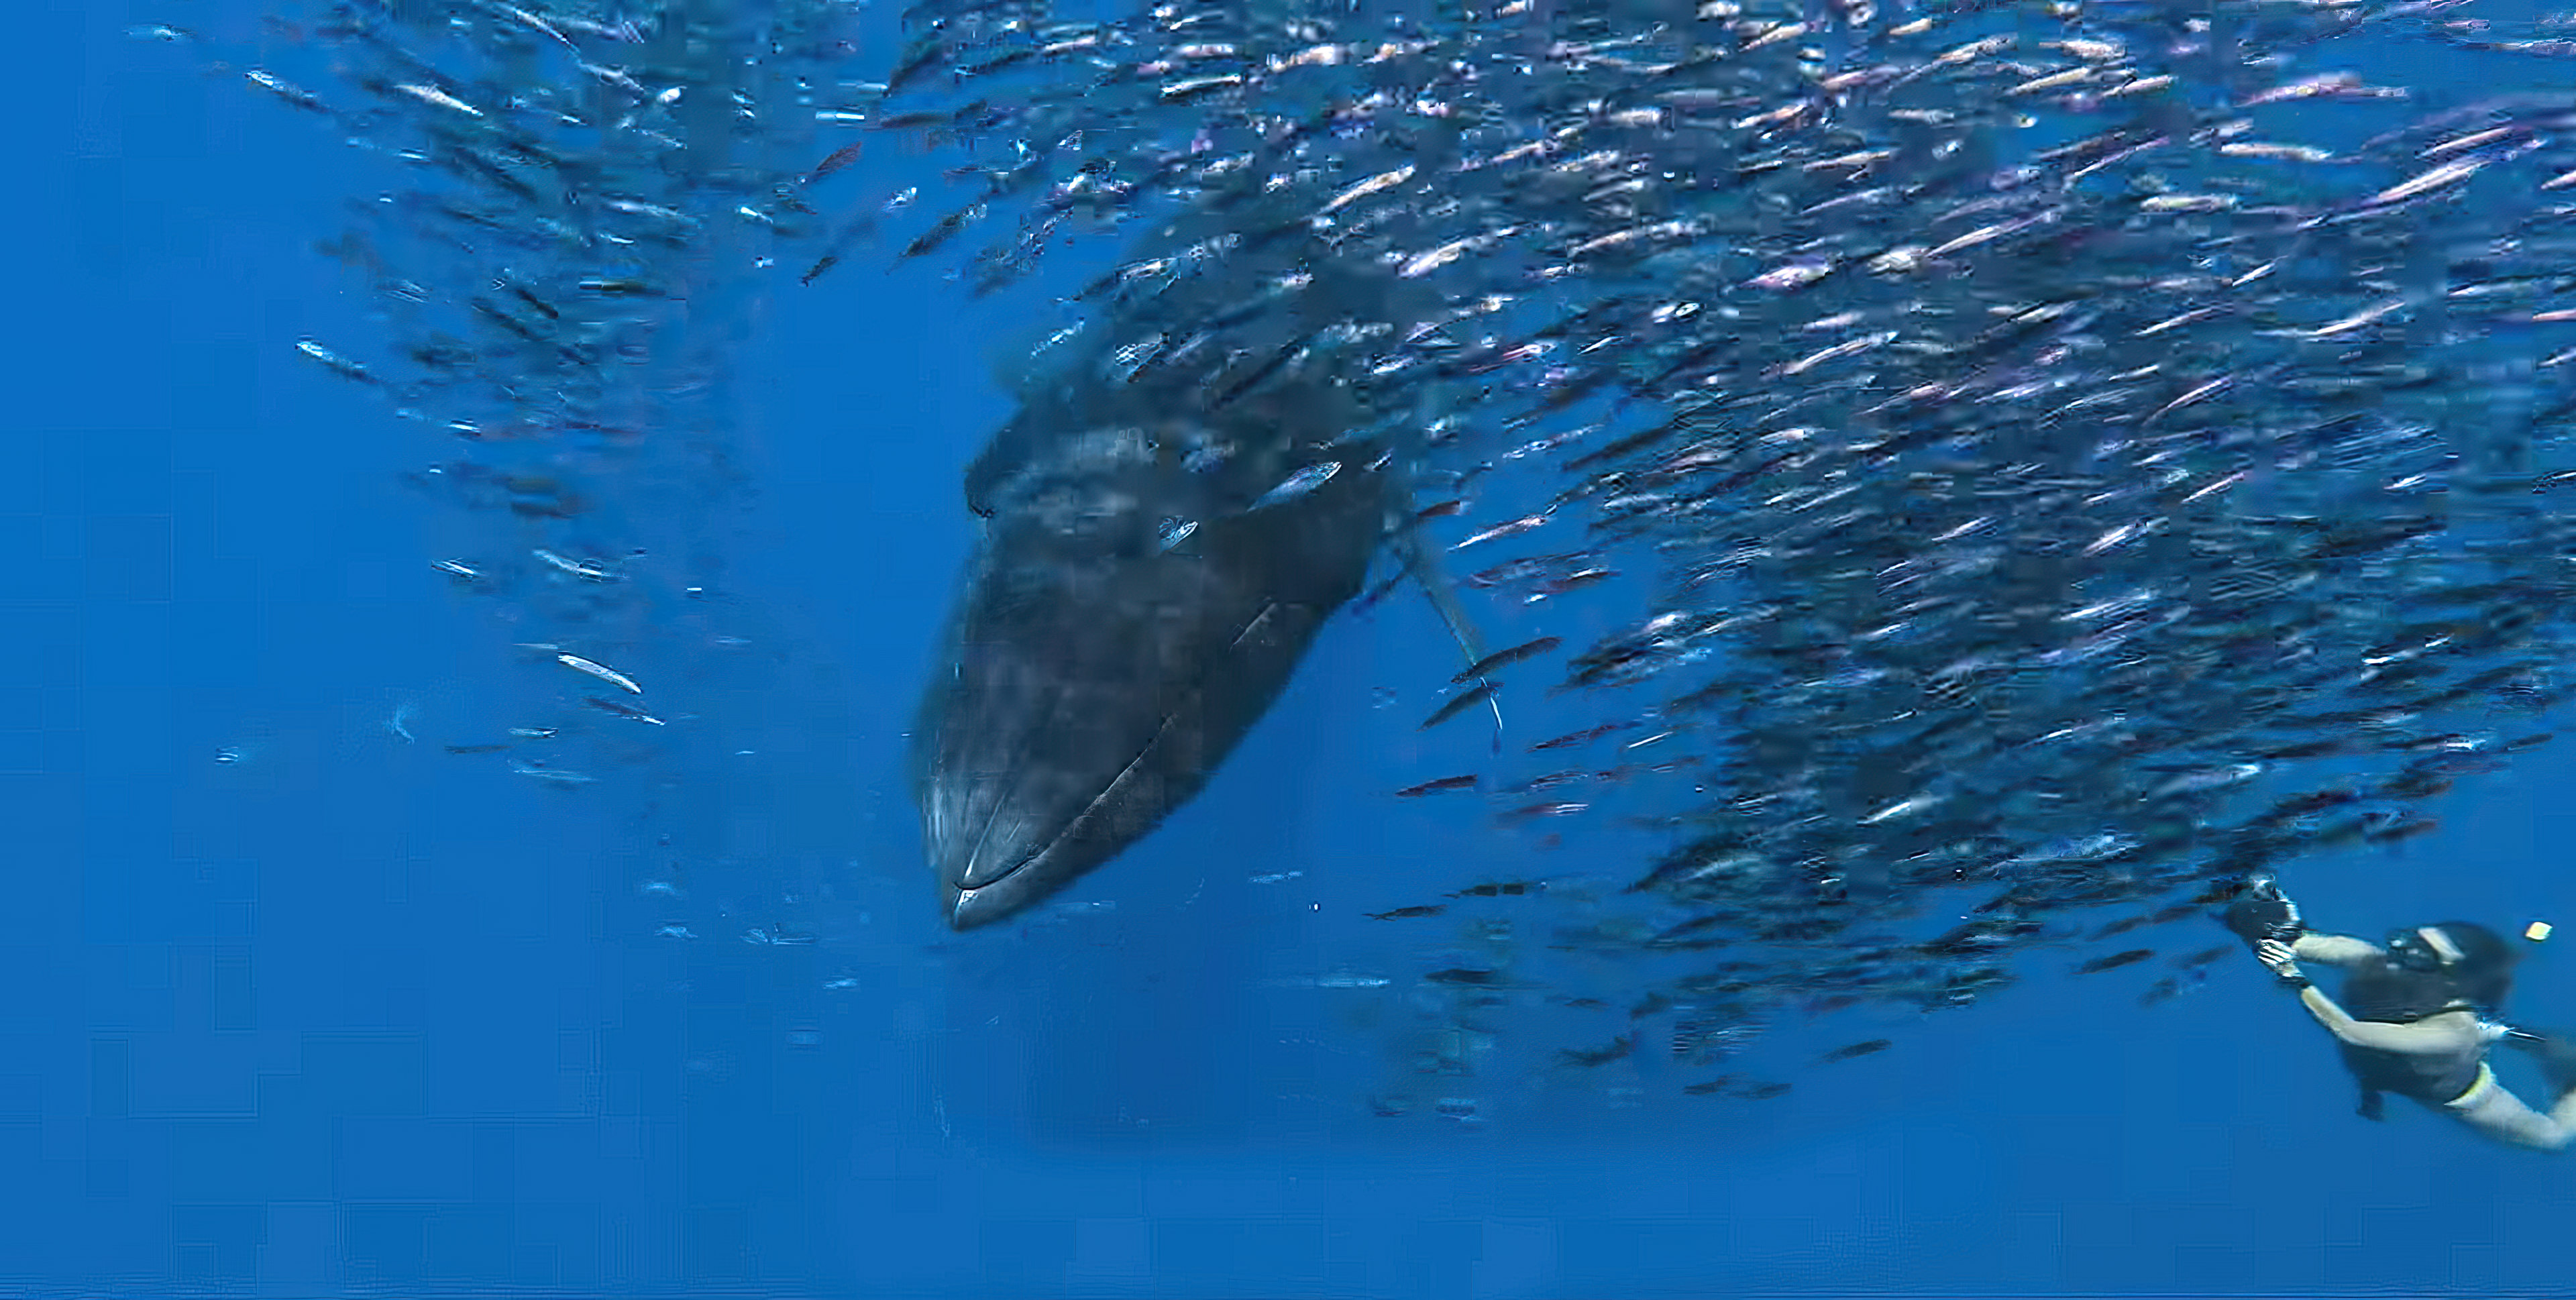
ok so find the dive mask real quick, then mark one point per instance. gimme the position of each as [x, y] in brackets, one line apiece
[2407, 950]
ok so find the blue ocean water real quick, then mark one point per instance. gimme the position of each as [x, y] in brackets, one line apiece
[347, 1015]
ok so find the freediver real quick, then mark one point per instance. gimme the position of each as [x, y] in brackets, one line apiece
[2417, 1016]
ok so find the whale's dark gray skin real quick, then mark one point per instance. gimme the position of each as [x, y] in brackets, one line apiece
[1100, 664]
[1096, 681]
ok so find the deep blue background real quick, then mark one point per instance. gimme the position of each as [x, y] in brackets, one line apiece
[347, 1013]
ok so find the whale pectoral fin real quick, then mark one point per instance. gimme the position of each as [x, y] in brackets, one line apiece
[1424, 568]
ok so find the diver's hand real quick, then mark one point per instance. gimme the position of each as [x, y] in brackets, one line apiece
[2278, 958]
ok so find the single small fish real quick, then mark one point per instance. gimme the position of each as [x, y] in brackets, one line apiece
[1868, 1048]
[2171, 987]
[620, 287]
[1499, 531]
[1299, 484]
[838, 159]
[1532, 812]
[1408, 913]
[286, 90]
[2116, 929]
[598, 670]
[553, 775]
[1588, 1058]
[2444, 176]
[1458, 704]
[1437, 786]
[1585, 736]
[1501, 889]
[2115, 961]
[621, 710]
[1506, 658]
[334, 362]
[440, 98]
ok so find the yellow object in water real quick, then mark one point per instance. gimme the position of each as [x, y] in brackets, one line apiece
[2536, 931]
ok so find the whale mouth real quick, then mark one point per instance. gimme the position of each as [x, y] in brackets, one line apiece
[965, 912]
[977, 895]
[982, 845]
[1000, 850]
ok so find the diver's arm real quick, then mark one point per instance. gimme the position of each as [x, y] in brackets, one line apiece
[2441, 1036]
[2424, 1038]
[2334, 949]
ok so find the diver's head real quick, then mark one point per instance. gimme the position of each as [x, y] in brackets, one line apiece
[2474, 961]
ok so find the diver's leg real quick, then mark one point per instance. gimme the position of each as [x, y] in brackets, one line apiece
[2492, 1109]
[2563, 1111]
[2557, 1057]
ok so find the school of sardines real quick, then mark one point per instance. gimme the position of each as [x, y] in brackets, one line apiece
[2043, 458]
[563, 207]
[2056, 458]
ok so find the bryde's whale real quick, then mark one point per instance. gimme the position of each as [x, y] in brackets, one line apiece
[1167, 523]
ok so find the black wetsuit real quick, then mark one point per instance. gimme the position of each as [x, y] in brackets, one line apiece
[2432, 1080]
[2390, 994]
